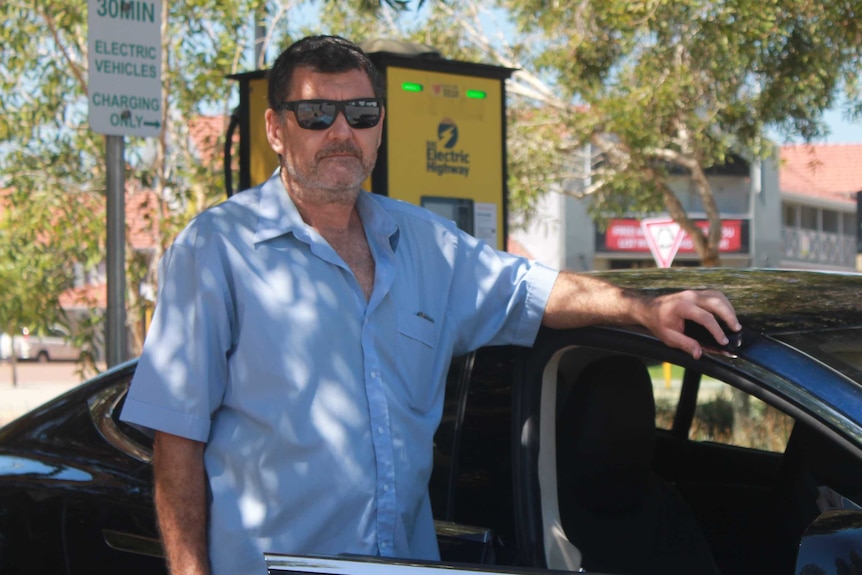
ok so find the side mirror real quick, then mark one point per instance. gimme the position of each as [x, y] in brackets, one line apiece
[833, 541]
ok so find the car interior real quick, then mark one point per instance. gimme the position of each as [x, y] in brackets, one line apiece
[640, 475]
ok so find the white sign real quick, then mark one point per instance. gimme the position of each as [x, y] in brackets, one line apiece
[125, 67]
[485, 222]
[663, 236]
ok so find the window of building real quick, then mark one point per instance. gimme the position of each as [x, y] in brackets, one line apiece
[849, 224]
[830, 221]
[808, 218]
[790, 212]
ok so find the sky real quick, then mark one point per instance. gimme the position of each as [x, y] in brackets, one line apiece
[842, 130]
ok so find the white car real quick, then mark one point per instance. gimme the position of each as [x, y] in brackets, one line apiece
[53, 344]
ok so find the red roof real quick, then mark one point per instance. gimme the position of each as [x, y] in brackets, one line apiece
[207, 133]
[85, 297]
[141, 207]
[828, 171]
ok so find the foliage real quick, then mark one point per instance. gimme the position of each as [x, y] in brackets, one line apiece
[663, 86]
[52, 164]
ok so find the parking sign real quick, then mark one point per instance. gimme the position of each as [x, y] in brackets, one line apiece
[125, 67]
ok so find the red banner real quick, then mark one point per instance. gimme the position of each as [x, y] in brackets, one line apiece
[625, 235]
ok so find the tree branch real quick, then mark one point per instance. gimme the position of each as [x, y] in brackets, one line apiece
[76, 69]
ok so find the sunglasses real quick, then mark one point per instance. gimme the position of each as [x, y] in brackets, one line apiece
[320, 114]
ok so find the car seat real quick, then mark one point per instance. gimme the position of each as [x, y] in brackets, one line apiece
[621, 515]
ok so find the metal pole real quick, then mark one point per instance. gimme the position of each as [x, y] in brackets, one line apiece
[260, 38]
[115, 328]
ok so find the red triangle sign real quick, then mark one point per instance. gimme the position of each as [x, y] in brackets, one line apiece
[663, 236]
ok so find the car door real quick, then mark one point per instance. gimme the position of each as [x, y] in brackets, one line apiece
[722, 444]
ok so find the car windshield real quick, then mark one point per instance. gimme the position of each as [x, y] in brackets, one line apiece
[840, 349]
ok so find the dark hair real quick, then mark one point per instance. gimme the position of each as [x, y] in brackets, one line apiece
[325, 54]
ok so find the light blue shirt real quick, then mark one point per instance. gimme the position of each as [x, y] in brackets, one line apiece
[319, 408]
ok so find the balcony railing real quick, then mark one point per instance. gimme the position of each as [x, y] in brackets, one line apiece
[812, 246]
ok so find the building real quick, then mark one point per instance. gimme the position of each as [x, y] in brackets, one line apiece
[798, 211]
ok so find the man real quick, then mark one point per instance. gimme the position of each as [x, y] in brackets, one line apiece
[295, 365]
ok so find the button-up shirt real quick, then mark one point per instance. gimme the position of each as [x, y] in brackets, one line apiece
[318, 407]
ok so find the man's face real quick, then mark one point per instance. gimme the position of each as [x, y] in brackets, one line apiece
[328, 165]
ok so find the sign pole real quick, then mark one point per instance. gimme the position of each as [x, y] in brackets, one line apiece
[115, 328]
[125, 99]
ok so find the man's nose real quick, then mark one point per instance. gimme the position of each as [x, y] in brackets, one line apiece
[340, 128]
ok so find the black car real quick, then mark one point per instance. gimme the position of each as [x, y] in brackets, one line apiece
[598, 448]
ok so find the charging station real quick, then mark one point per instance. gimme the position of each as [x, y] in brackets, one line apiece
[444, 140]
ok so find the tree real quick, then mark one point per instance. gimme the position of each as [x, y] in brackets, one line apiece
[53, 166]
[29, 258]
[658, 86]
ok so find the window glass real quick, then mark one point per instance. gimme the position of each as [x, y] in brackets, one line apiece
[790, 216]
[849, 224]
[730, 416]
[808, 218]
[830, 221]
[666, 384]
[723, 414]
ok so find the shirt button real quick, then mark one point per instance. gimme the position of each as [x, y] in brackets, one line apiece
[375, 374]
[380, 430]
[385, 488]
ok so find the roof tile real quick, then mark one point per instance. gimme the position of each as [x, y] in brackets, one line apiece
[828, 171]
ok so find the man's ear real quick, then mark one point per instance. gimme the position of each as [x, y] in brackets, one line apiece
[274, 130]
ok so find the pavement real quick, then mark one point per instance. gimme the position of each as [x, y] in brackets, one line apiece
[36, 384]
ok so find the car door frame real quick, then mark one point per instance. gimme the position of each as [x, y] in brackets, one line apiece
[781, 392]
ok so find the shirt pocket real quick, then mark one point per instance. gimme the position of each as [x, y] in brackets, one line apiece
[416, 348]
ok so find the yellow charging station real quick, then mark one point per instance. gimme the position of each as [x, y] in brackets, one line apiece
[444, 142]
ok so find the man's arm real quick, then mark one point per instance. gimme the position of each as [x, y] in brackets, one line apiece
[578, 300]
[181, 502]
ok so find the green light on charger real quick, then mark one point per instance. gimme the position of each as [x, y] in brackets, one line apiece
[476, 94]
[411, 87]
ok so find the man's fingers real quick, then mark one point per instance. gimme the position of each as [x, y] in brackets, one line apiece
[718, 304]
[707, 308]
[681, 341]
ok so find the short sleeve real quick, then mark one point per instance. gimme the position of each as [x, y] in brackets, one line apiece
[182, 373]
[498, 298]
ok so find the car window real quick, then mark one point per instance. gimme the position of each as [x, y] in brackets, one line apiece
[666, 384]
[728, 415]
[723, 413]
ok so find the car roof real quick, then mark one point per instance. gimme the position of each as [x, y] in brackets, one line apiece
[768, 301]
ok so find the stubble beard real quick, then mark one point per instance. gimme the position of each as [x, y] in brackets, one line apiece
[316, 184]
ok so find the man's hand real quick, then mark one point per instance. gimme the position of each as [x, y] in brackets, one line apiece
[665, 317]
[578, 300]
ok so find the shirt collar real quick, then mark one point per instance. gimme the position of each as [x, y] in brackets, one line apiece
[278, 215]
[378, 223]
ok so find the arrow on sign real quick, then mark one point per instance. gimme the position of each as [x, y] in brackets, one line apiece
[155, 124]
[663, 236]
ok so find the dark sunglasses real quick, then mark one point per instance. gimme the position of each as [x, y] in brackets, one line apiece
[320, 114]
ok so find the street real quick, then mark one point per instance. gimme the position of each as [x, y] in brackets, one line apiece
[37, 383]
